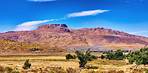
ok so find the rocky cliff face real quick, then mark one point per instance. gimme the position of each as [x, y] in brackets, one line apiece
[59, 35]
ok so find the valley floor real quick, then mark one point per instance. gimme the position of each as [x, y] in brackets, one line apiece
[59, 64]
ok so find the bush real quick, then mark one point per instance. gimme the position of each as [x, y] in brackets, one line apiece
[69, 56]
[118, 55]
[94, 57]
[27, 64]
[110, 56]
[102, 56]
[92, 67]
[138, 56]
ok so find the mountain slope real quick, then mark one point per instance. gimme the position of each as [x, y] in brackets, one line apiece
[59, 35]
[12, 47]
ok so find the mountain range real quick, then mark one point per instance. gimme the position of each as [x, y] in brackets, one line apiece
[59, 35]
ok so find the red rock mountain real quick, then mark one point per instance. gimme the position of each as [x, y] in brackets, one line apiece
[61, 36]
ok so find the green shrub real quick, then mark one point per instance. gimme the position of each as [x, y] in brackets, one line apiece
[69, 56]
[74, 56]
[26, 64]
[118, 55]
[102, 56]
[94, 57]
[110, 56]
[139, 56]
[92, 67]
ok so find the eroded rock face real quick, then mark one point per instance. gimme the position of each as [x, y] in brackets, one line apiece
[59, 35]
[52, 26]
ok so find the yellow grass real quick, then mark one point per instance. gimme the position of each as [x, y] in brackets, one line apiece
[44, 62]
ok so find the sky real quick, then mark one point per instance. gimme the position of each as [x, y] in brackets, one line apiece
[129, 16]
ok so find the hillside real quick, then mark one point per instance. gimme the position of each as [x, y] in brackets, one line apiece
[18, 48]
[59, 35]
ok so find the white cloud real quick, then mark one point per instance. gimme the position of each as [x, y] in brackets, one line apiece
[86, 13]
[41, 0]
[138, 32]
[26, 26]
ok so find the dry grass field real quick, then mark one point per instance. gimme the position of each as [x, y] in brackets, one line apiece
[59, 64]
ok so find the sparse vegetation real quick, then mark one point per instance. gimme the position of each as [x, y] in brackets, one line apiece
[118, 55]
[15, 71]
[8, 69]
[102, 56]
[139, 56]
[92, 67]
[69, 56]
[26, 64]
[10, 46]
[84, 57]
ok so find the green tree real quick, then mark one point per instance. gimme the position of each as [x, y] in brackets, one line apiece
[84, 57]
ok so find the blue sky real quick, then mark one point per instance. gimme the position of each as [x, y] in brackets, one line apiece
[130, 16]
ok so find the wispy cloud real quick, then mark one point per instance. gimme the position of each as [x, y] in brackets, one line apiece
[26, 26]
[41, 0]
[138, 32]
[86, 13]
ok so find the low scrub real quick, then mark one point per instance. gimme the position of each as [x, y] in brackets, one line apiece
[27, 64]
[69, 56]
[92, 67]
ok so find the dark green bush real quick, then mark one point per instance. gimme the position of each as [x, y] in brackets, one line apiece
[110, 56]
[27, 64]
[139, 56]
[94, 57]
[74, 56]
[118, 55]
[69, 56]
[102, 56]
